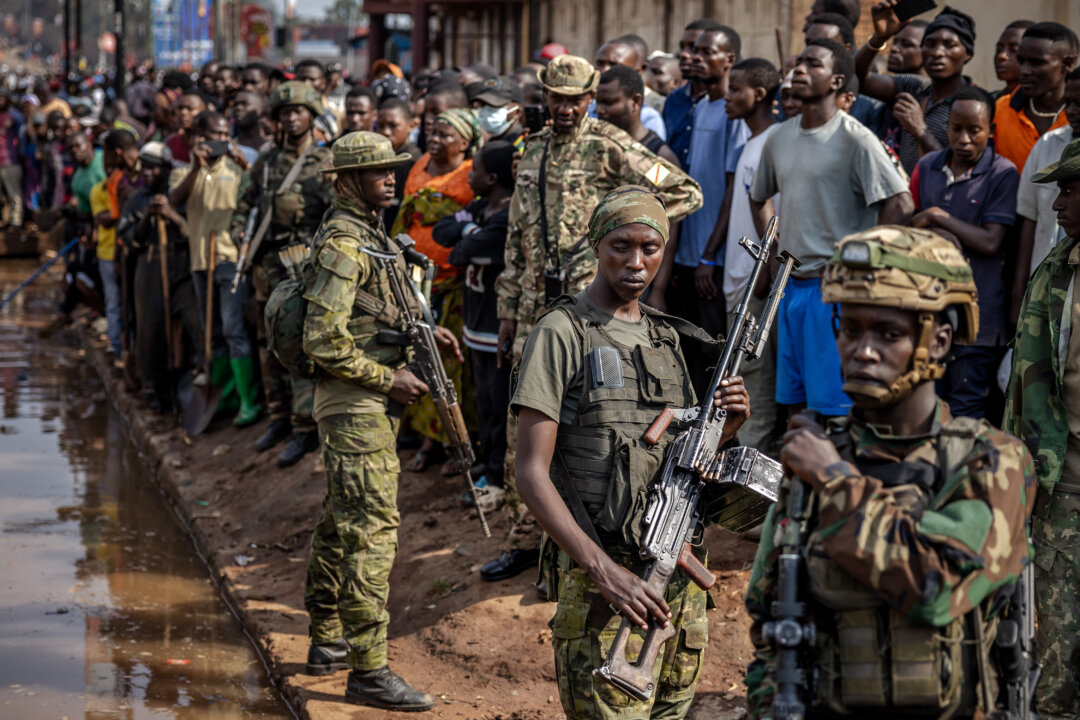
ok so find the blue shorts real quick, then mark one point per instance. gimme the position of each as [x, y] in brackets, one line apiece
[808, 363]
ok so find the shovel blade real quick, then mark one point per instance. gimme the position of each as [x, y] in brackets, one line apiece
[200, 409]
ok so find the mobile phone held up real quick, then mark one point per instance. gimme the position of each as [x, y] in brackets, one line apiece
[536, 117]
[217, 148]
[907, 9]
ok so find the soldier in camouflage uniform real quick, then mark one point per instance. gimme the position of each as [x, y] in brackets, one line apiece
[1043, 410]
[580, 159]
[582, 433]
[295, 211]
[349, 301]
[917, 529]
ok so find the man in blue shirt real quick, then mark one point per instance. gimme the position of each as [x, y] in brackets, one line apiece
[693, 290]
[967, 193]
[621, 52]
[679, 106]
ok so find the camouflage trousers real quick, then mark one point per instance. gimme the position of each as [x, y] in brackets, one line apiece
[286, 395]
[1056, 534]
[524, 530]
[348, 577]
[582, 632]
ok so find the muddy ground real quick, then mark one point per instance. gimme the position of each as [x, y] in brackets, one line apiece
[483, 648]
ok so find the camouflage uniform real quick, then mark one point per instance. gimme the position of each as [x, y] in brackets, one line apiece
[297, 211]
[581, 168]
[909, 538]
[1040, 410]
[601, 453]
[356, 539]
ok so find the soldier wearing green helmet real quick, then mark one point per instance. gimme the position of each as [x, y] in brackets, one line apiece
[285, 182]
[349, 301]
[913, 526]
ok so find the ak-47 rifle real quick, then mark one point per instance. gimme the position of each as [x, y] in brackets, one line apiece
[427, 364]
[1014, 645]
[250, 243]
[690, 462]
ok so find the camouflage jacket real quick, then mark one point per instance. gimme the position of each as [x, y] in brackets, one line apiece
[343, 297]
[1035, 403]
[581, 168]
[298, 209]
[934, 563]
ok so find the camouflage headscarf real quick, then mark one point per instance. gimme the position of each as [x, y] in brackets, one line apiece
[627, 205]
[464, 122]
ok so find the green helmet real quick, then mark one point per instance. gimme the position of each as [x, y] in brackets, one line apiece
[295, 92]
[909, 269]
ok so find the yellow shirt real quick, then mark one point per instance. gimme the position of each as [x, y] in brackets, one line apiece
[210, 208]
[106, 236]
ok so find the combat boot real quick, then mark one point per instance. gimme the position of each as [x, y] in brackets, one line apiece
[279, 429]
[244, 371]
[299, 445]
[384, 688]
[328, 658]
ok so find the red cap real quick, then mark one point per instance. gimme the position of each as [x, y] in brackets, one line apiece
[552, 51]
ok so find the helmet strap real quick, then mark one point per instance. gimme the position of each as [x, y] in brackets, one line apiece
[922, 370]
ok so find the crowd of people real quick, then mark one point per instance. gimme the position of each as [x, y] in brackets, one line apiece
[186, 194]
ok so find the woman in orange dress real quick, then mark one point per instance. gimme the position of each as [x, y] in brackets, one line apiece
[437, 186]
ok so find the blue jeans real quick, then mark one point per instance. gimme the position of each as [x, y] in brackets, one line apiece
[230, 336]
[113, 314]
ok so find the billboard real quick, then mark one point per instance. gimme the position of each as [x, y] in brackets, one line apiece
[183, 33]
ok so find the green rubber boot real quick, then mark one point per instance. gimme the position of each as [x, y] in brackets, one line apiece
[244, 372]
[221, 376]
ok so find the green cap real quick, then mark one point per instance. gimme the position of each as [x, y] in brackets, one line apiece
[569, 75]
[295, 92]
[364, 150]
[1067, 168]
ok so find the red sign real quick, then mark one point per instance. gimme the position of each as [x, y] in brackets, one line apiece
[257, 31]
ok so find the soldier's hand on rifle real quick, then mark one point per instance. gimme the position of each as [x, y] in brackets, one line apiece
[807, 451]
[507, 329]
[632, 597]
[407, 388]
[448, 343]
[733, 398]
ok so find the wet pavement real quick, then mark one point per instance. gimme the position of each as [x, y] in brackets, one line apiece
[106, 611]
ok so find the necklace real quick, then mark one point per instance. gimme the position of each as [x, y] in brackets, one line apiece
[1036, 113]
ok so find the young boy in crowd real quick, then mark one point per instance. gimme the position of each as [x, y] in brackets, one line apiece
[477, 234]
[396, 122]
[967, 193]
[751, 88]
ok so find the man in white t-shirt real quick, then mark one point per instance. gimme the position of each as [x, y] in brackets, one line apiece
[752, 86]
[836, 180]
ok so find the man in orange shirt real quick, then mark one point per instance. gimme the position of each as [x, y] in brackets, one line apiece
[1047, 53]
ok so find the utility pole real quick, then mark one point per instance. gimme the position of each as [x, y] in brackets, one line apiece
[121, 65]
[67, 38]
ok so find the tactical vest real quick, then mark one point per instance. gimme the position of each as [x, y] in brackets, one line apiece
[374, 308]
[602, 452]
[868, 655]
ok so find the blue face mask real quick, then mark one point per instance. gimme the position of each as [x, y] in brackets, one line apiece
[494, 120]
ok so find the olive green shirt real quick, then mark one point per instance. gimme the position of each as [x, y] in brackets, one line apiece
[551, 377]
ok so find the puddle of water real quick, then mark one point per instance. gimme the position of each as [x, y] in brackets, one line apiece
[105, 609]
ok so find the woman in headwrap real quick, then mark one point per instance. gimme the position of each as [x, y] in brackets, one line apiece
[919, 104]
[582, 431]
[438, 186]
